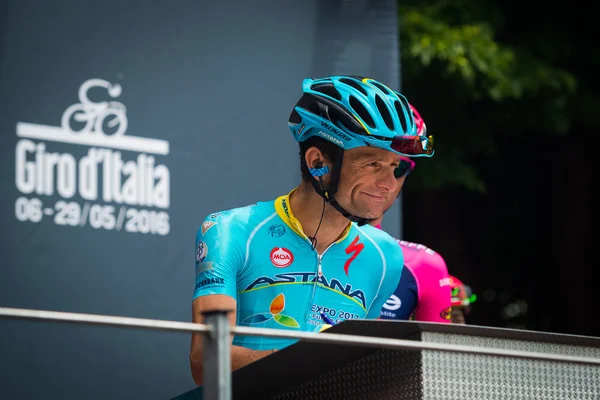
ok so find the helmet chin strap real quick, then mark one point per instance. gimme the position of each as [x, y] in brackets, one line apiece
[360, 221]
[328, 195]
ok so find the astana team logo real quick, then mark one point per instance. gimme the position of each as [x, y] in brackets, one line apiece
[275, 312]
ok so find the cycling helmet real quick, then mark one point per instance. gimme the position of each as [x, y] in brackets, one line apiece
[462, 295]
[352, 111]
[407, 165]
[419, 122]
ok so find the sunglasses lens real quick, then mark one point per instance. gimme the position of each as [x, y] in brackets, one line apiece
[414, 146]
[403, 168]
[400, 171]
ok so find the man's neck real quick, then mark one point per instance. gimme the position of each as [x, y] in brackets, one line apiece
[376, 222]
[307, 207]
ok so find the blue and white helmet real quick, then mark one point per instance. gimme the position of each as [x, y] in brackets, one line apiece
[352, 111]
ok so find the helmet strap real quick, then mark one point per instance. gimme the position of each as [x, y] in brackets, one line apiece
[329, 194]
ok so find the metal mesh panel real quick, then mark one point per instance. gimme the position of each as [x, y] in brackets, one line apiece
[385, 374]
[434, 375]
[468, 376]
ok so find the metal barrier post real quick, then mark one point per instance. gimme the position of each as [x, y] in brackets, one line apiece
[217, 360]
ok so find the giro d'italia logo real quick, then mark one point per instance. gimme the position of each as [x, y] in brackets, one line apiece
[119, 183]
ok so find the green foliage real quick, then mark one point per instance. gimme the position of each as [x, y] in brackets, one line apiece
[487, 67]
[472, 87]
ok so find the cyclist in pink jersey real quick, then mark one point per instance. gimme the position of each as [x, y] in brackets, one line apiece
[423, 293]
[462, 298]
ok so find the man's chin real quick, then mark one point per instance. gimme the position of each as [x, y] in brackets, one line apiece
[370, 215]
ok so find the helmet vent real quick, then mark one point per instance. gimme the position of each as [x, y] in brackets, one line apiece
[295, 118]
[384, 112]
[380, 87]
[400, 113]
[327, 89]
[361, 111]
[354, 84]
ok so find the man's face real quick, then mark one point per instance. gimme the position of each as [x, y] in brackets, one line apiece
[399, 184]
[367, 186]
[395, 193]
[457, 316]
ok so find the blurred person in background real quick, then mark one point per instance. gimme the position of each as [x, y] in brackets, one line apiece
[310, 258]
[462, 298]
[423, 293]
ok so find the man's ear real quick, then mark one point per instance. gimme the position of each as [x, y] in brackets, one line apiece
[318, 165]
[315, 159]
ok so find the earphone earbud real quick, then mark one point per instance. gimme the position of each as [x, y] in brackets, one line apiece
[319, 170]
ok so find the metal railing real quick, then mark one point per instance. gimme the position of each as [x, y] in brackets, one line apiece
[216, 347]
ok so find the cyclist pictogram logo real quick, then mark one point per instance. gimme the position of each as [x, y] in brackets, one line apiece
[89, 117]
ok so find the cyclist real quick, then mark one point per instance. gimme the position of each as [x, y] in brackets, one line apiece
[423, 293]
[462, 298]
[310, 255]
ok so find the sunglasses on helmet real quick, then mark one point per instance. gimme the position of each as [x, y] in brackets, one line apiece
[414, 146]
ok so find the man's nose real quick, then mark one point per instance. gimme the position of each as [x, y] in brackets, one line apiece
[387, 180]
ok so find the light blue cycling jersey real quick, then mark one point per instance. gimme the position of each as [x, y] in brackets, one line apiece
[260, 256]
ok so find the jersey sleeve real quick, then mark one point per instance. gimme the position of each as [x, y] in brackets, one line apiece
[219, 257]
[403, 302]
[434, 292]
[394, 263]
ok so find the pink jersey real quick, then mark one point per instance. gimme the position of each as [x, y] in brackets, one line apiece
[423, 293]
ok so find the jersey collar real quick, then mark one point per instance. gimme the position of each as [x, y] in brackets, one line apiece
[284, 210]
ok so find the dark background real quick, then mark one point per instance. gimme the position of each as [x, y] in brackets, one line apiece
[525, 245]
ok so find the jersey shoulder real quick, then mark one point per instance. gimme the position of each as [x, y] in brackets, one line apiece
[387, 244]
[419, 256]
[237, 222]
[244, 216]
